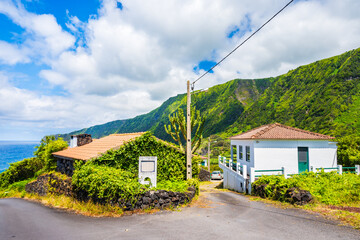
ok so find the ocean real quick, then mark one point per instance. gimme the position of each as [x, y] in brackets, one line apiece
[13, 151]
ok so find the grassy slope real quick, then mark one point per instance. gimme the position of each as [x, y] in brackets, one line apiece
[323, 96]
[222, 104]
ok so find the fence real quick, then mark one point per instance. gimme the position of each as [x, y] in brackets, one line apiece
[244, 179]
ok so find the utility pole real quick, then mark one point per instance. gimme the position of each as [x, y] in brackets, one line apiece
[209, 155]
[188, 135]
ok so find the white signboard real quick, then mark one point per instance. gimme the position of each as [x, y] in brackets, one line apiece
[148, 170]
[147, 166]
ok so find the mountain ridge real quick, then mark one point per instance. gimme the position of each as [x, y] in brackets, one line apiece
[323, 96]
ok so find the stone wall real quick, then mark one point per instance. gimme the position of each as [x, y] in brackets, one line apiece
[50, 183]
[155, 199]
[65, 166]
[204, 175]
[160, 199]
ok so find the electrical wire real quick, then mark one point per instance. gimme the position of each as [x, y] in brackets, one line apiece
[193, 83]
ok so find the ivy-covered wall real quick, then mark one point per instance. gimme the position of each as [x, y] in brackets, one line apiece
[171, 162]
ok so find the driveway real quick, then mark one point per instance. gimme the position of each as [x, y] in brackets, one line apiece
[217, 215]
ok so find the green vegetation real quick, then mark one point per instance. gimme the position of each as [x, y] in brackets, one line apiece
[178, 129]
[349, 151]
[171, 162]
[31, 167]
[316, 97]
[114, 174]
[322, 97]
[20, 171]
[44, 151]
[103, 182]
[326, 188]
[222, 105]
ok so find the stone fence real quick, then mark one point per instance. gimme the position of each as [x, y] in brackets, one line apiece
[52, 183]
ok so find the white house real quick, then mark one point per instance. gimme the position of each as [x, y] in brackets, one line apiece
[278, 149]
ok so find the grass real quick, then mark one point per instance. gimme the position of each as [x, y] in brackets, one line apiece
[336, 197]
[89, 208]
[66, 203]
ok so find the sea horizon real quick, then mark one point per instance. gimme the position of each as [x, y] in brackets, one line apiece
[13, 151]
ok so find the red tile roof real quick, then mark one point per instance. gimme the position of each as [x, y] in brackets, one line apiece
[280, 131]
[97, 147]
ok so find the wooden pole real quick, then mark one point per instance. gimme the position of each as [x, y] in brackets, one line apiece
[209, 155]
[188, 134]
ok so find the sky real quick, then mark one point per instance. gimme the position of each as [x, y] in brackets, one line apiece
[66, 65]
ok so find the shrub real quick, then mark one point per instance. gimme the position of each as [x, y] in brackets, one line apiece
[20, 171]
[328, 188]
[44, 151]
[30, 167]
[178, 186]
[106, 183]
[171, 162]
[348, 152]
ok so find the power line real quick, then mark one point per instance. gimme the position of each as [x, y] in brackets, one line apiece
[193, 83]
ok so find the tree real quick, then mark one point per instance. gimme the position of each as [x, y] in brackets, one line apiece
[177, 128]
[348, 152]
[44, 151]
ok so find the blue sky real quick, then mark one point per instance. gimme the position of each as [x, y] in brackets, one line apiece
[65, 65]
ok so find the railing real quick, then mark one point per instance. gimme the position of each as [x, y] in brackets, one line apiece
[349, 169]
[270, 170]
[241, 170]
[234, 166]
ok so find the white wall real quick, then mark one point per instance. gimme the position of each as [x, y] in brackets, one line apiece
[245, 143]
[275, 154]
[233, 180]
[323, 157]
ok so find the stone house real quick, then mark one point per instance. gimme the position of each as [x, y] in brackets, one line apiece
[83, 147]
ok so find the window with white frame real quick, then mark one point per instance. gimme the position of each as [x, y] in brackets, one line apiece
[234, 152]
[247, 153]
[241, 152]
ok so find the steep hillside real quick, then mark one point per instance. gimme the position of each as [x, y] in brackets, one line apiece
[323, 96]
[222, 104]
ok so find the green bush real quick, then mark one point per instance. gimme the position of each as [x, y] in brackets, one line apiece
[178, 186]
[107, 183]
[348, 153]
[171, 163]
[44, 151]
[30, 167]
[20, 171]
[328, 188]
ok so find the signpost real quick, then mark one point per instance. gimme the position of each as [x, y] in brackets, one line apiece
[148, 170]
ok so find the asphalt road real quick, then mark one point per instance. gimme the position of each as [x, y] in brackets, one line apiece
[221, 215]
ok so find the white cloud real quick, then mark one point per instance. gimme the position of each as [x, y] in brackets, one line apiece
[124, 63]
[44, 38]
[12, 54]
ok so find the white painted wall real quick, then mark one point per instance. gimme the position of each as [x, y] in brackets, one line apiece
[245, 143]
[233, 180]
[275, 154]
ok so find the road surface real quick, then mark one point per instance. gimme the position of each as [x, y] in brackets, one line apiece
[221, 215]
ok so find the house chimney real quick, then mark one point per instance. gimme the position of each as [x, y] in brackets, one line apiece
[73, 141]
[80, 140]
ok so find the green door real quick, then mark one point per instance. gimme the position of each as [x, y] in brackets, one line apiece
[303, 156]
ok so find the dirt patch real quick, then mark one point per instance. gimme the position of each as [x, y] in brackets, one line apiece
[202, 202]
[346, 208]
